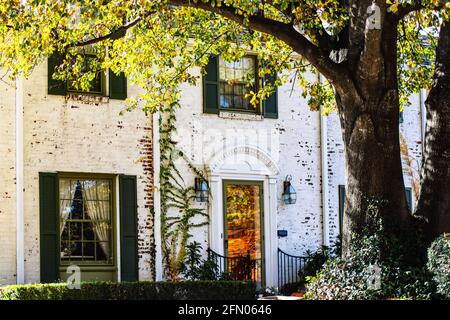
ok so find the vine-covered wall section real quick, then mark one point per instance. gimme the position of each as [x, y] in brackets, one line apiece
[178, 214]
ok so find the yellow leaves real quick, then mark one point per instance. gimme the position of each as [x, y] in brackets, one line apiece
[393, 5]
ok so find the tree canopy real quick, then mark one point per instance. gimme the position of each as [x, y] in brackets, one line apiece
[158, 43]
[372, 55]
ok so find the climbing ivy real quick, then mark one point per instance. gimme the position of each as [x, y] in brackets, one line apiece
[177, 210]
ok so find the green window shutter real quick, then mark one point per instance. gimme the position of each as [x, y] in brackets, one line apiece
[211, 86]
[341, 189]
[409, 198]
[117, 86]
[128, 228]
[49, 226]
[55, 87]
[270, 105]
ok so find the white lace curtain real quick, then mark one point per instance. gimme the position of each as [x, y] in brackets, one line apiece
[97, 206]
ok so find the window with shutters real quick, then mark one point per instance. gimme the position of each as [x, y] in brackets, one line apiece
[103, 83]
[78, 226]
[226, 84]
[86, 221]
[341, 190]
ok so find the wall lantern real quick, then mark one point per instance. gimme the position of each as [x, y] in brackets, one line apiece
[201, 190]
[289, 194]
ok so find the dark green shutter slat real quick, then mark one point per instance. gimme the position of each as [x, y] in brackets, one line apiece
[117, 86]
[409, 198]
[49, 226]
[211, 86]
[341, 206]
[270, 105]
[55, 87]
[128, 228]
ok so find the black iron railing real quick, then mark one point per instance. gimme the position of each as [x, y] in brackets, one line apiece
[289, 267]
[237, 268]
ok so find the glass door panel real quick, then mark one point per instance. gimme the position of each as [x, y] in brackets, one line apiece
[243, 229]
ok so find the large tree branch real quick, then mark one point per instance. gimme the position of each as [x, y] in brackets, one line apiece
[337, 74]
[118, 33]
[406, 9]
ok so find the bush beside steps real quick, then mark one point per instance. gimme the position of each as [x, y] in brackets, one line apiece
[186, 290]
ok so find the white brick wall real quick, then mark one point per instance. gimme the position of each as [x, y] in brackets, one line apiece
[298, 155]
[7, 184]
[66, 136]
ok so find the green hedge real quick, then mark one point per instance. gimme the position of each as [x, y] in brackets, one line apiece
[186, 290]
[439, 264]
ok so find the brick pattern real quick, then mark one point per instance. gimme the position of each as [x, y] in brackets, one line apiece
[7, 184]
[69, 136]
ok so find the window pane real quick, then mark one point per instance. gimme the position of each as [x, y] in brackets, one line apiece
[86, 220]
[234, 77]
[95, 85]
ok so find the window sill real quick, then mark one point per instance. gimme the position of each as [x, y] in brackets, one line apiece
[240, 116]
[87, 98]
[63, 268]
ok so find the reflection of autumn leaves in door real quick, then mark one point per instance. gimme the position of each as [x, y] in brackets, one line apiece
[243, 219]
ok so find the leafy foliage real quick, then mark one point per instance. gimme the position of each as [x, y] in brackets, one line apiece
[161, 44]
[365, 274]
[316, 260]
[197, 268]
[439, 264]
[143, 290]
[178, 215]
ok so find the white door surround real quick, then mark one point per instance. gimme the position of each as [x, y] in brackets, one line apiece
[245, 163]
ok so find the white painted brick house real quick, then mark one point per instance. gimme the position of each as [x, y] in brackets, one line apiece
[72, 172]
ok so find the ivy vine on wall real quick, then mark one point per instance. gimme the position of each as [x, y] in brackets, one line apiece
[177, 199]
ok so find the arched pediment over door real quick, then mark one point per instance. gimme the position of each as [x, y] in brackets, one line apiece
[246, 160]
[245, 163]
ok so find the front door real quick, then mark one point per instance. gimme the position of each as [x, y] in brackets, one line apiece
[244, 245]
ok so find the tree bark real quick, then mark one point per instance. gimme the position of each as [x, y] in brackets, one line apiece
[434, 198]
[373, 166]
[370, 128]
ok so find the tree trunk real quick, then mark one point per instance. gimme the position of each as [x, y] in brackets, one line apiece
[373, 165]
[369, 118]
[434, 198]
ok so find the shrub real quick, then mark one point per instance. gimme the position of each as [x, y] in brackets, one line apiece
[363, 274]
[197, 268]
[188, 290]
[439, 264]
[316, 260]
[289, 288]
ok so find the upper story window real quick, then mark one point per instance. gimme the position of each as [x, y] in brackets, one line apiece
[234, 78]
[96, 85]
[225, 85]
[105, 82]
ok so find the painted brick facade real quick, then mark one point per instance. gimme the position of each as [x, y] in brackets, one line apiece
[7, 183]
[65, 135]
[295, 146]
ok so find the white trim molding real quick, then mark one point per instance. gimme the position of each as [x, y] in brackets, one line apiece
[245, 163]
[157, 197]
[20, 227]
